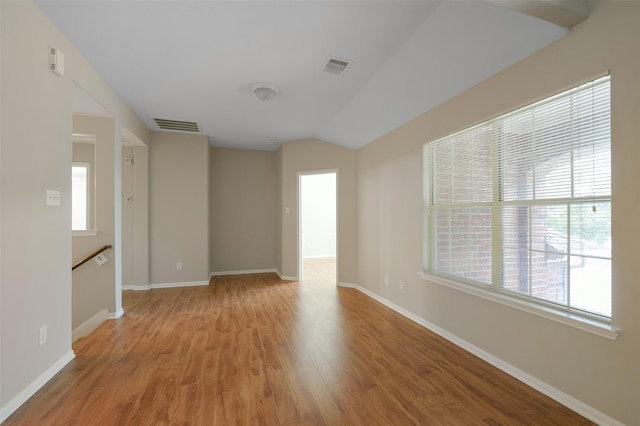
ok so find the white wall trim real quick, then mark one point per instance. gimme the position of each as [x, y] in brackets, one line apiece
[243, 272]
[255, 271]
[136, 287]
[34, 386]
[286, 277]
[164, 285]
[542, 387]
[89, 325]
[176, 285]
[116, 315]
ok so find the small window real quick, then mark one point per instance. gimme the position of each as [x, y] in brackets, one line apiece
[80, 196]
[521, 204]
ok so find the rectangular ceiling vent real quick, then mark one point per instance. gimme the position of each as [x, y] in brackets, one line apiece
[336, 65]
[181, 126]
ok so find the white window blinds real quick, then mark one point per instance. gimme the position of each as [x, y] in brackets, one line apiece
[521, 204]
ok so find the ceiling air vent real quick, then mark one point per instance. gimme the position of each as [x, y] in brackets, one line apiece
[336, 65]
[181, 126]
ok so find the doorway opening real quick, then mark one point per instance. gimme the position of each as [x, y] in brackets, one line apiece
[318, 248]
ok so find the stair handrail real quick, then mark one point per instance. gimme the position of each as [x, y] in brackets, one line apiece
[91, 256]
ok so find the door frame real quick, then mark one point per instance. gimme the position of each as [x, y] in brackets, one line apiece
[300, 271]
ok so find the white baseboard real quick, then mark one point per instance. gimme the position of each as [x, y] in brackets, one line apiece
[163, 285]
[89, 325]
[254, 271]
[116, 315]
[34, 386]
[176, 285]
[286, 277]
[242, 272]
[136, 287]
[542, 387]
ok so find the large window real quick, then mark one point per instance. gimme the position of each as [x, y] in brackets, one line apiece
[521, 204]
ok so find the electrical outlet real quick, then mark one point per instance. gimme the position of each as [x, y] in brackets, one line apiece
[179, 266]
[43, 335]
[386, 279]
[401, 285]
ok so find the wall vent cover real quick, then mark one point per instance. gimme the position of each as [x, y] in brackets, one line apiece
[336, 65]
[181, 126]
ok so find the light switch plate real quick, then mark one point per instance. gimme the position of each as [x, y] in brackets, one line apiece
[53, 197]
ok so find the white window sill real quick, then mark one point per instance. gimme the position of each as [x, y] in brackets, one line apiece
[567, 318]
[87, 233]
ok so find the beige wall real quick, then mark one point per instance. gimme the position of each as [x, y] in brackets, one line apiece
[135, 217]
[307, 156]
[178, 207]
[242, 210]
[128, 253]
[36, 239]
[140, 216]
[93, 287]
[599, 372]
[35, 247]
[279, 209]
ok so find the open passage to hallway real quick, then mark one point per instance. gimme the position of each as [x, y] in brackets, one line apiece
[320, 271]
[252, 349]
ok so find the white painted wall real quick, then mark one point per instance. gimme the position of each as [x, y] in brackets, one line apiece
[318, 215]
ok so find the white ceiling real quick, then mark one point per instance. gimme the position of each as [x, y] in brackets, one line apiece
[196, 61]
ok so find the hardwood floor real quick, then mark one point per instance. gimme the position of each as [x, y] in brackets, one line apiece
[321, 271]
[254, 350]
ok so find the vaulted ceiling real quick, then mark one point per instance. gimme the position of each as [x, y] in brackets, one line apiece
[197, 61]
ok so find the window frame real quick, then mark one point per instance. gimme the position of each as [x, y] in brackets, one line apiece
[566, 314]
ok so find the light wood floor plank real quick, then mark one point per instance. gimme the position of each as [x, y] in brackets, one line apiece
[254, 350]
